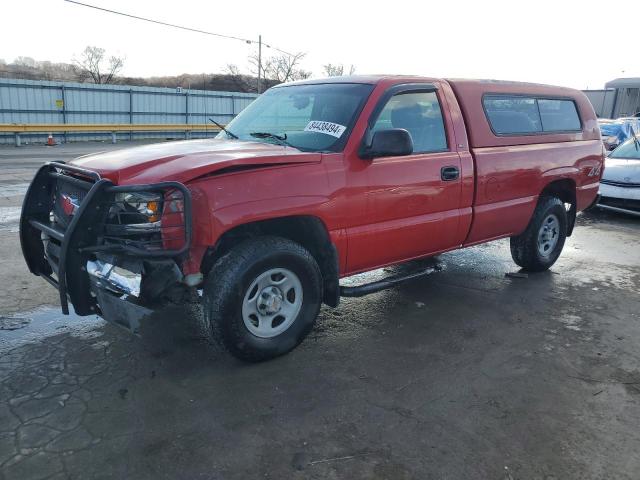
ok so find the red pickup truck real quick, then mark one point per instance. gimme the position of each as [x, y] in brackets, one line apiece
[313, 182]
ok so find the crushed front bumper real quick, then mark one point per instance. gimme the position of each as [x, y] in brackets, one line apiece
[76, 256]
[111, 277]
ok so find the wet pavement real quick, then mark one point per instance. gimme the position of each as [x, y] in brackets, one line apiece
[463, 374]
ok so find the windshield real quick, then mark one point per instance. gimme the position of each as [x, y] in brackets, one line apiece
[629, 150]
[307, 117]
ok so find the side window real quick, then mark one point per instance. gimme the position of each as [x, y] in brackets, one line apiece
[509, 115]
[513, 115]
[419, 113]
[558, 115]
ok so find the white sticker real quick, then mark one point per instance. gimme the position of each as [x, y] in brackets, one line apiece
[333, 129]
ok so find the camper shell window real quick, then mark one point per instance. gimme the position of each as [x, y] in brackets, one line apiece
[528, 115]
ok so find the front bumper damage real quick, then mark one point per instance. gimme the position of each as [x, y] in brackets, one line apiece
[113, 278]
[81, 258]
[619, 197]
[124, 293]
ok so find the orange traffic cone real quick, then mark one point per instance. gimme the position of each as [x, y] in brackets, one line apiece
[50, 141]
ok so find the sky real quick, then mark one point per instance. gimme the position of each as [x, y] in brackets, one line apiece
[560, 42]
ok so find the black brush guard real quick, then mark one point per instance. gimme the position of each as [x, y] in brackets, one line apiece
[76, 242]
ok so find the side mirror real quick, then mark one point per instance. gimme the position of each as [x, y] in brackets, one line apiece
[393, 142]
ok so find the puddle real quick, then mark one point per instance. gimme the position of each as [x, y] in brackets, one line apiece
[606, 275]
[366, 277]
[34, 325]
[13, 323]
[571, 322]
[168, 330]
[9, 219]
[14, 190]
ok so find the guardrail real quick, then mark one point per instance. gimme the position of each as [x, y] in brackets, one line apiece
[113, 128]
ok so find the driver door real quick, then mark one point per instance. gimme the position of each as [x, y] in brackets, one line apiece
[412, 202]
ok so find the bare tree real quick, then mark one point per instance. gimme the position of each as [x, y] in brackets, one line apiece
[93, 64]
[258, 68]
[241, 82]
[232, 69]
[331, 70]
[285, 68]
[25, 62]
[280, 68]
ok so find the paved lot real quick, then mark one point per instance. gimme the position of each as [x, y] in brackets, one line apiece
[467, 374]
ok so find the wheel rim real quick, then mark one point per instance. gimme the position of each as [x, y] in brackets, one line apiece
[272, 302]
[548, 235]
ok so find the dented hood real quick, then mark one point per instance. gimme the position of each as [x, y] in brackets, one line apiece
[185, 160]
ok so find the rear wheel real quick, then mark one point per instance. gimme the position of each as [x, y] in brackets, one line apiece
[540, 245]
[262, 298]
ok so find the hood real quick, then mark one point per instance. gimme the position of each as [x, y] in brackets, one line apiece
[622, 170]
[186, 160]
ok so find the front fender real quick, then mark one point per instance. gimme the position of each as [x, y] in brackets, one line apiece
[227, 218]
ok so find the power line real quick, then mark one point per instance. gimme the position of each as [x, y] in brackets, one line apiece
[180, 27]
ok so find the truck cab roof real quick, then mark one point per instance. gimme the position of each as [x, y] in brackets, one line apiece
[374, 79]
[471, 95]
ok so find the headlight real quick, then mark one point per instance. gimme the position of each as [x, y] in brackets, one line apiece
[149, 220]
[138, 207]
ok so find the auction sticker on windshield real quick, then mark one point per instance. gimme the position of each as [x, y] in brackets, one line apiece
[333, 129]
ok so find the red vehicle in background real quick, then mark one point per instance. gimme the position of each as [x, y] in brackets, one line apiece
[315, 181]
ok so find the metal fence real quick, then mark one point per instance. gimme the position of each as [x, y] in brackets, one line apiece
[37, 102]
[603, 101]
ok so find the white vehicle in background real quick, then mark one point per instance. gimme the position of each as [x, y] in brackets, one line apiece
[620, 183]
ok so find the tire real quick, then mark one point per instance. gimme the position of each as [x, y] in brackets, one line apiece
[540, 245]
[262, 298]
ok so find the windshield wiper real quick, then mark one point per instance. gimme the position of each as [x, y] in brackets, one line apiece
[281, 139]
[221, 127]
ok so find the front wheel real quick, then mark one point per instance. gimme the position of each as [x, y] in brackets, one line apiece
[262, 298]
[538, 248]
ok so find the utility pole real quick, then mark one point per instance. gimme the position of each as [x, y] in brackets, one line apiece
[259, 61]
[196, 30]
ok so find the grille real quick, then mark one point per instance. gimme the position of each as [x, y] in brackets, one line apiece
[67, 195]
[65, 223]
[67, 199]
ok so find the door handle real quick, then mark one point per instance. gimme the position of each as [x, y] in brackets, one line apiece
[449, 173]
